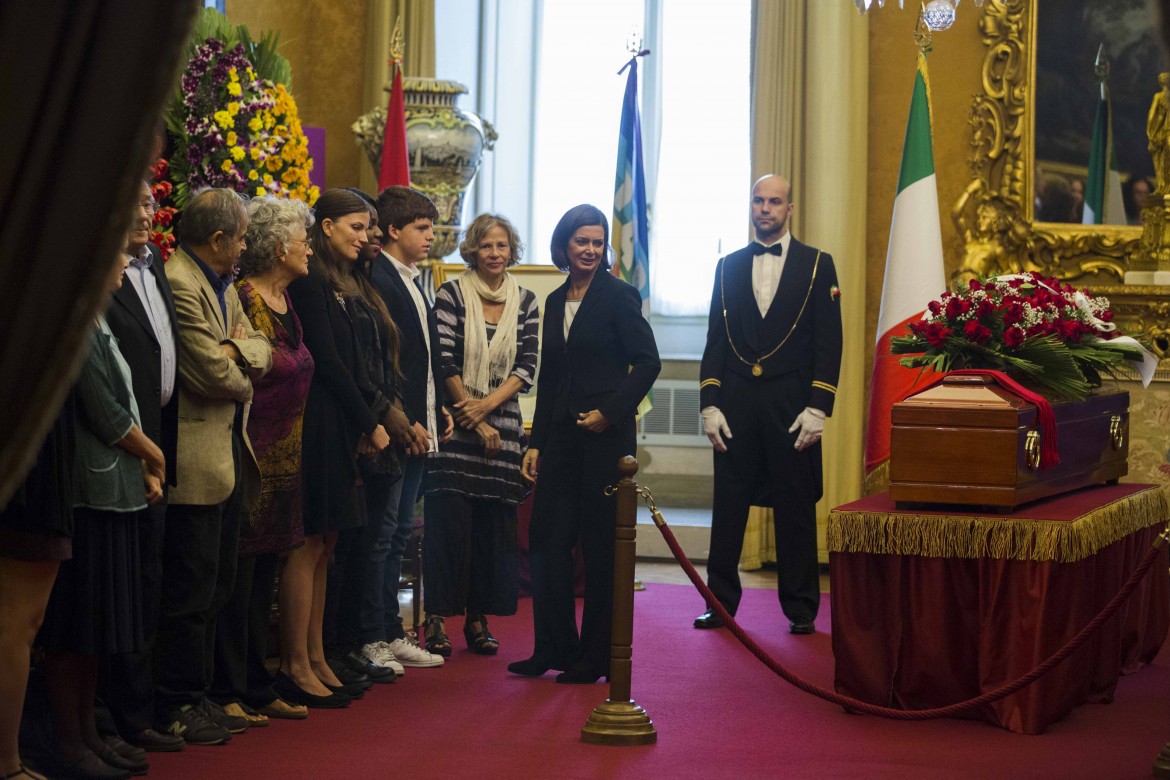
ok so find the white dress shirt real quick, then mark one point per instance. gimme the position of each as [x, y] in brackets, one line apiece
[146, 285]
[409, 274]
[766, 271]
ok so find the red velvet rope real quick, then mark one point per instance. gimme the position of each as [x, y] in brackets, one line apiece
[1049, 454]
[855, 705]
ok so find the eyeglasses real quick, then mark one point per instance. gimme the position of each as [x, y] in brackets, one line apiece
[149, 206]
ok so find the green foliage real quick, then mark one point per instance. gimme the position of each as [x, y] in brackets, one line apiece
[1045, 364]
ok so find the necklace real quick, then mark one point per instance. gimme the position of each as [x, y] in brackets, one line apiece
[757, 369]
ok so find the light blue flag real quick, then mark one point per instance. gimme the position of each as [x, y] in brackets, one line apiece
[631, 247]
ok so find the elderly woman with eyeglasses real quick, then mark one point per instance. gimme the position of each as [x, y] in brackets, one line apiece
[277, 253]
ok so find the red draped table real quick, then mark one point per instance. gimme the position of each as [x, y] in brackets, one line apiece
[930, 608]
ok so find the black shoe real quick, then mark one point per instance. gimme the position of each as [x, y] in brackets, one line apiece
[215, 713]
[709, 620]
[360, 664]
[581, 674]
[801, 627]
[345, 674]
[193, 726]
[533, 667]
[89, 767]
[111, 756]
[354, 690]
[155, 742]
[285, 687]
[125, 749]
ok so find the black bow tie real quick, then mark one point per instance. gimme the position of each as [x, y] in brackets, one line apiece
[759, 249]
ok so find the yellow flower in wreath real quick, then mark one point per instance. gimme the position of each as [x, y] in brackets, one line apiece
[252, 175]
[232, 138]
[268, 178]
[237, 153]
[234, 89]
[254, 124]
[233, 108]
[226, 166]
[261, 191]
[254, 153]
[223, 119]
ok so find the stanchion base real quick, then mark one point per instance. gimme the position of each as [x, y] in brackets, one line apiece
[1162, 762]
[619, 723]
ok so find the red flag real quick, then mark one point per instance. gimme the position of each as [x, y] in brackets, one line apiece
[395, 158]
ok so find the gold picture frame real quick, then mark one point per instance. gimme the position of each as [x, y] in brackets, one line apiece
[996, 229]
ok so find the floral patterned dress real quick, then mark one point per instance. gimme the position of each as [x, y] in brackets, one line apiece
[276, 523]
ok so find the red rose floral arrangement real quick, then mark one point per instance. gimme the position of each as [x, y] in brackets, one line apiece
[1049, 336]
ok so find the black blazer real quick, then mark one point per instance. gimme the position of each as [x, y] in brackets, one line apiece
[609, 363]
[805, 315]
[414, 360]
[339, 375]
[137, 341]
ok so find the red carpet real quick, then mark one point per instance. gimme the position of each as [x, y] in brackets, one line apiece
[718, 712]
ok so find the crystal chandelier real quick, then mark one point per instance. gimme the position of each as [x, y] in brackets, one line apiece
[937, 14]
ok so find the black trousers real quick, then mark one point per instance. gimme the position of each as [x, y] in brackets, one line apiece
[241, 635]
[471, 559]
[761, 454]
[127, 679]
[199, 557]
[351, 573]
[570, 505]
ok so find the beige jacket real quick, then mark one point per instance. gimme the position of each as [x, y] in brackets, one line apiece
[210, 384]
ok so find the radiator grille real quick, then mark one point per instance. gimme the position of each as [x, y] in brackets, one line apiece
[674, 420]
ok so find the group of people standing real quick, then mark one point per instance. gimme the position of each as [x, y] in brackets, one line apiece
[267, 408]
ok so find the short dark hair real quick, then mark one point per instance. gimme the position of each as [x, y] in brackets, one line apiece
[210, 211]
[575, 219]
[469, 247]
[399, 206]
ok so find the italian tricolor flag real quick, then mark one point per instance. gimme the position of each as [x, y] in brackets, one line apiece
[1103, 203]
[914, 270]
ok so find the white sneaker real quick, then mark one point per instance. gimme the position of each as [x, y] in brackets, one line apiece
[379, 654]
[408, 653]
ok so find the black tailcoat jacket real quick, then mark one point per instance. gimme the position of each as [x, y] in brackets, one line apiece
[801, 332]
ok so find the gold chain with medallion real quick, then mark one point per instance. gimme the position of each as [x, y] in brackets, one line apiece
[757, 369]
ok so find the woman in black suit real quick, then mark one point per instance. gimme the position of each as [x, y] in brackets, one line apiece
[598, 360]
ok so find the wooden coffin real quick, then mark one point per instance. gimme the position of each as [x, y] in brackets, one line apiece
[972, 443]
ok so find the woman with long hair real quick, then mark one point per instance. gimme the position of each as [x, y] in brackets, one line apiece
[598, 360]
[357, 556]
[277, 253]
[339, 424]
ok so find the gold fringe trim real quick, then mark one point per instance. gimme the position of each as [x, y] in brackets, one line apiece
[974, 536]
[878, 480]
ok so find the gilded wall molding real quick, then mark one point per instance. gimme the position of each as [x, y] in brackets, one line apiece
[993, 216]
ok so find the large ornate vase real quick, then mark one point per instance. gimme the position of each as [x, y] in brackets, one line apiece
[445, 144]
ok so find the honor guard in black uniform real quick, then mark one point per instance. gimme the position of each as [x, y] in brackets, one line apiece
[767, 381]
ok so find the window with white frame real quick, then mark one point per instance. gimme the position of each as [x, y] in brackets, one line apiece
[695, 117]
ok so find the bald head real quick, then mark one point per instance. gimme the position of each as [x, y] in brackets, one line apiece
[771, 207]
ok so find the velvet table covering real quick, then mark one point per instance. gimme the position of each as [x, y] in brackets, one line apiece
[930, 608]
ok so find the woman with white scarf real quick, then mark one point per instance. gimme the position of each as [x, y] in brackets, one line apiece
[488, 339]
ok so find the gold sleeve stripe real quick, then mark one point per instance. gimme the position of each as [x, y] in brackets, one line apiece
[825, 386]
[711, 382]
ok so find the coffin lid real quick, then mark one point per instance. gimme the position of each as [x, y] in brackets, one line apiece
[980, 402]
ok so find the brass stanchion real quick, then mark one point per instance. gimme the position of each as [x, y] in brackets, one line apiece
[619, 721]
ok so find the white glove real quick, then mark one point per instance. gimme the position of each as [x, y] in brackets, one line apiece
[811, 423]
[714, 424]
